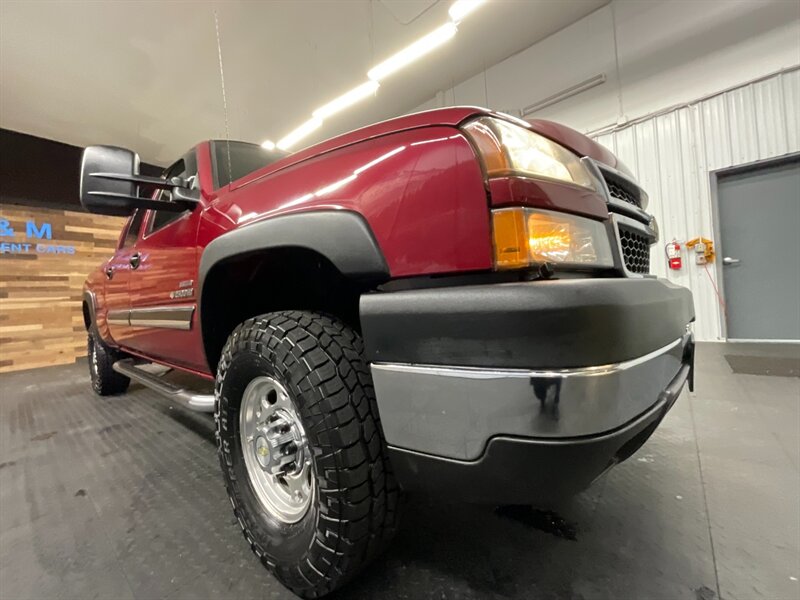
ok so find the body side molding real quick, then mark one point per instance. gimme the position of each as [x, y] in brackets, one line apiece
[164, 317]
[161, 317]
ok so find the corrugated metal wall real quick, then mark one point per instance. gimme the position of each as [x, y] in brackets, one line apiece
[674, 153]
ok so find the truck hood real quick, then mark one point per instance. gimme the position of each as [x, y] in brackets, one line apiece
[453, 116]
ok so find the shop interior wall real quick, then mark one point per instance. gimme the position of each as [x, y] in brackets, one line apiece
[48, 245]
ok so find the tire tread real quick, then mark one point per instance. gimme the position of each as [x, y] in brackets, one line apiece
[358, 497]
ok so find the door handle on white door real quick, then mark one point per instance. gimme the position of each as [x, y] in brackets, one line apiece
[730, 261]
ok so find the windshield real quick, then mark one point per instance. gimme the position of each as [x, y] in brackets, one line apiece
[244, 159]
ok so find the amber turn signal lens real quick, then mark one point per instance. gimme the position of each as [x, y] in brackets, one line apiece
[525, 236]
[510, 239]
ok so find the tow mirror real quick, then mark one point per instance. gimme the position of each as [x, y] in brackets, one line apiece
[110, 183]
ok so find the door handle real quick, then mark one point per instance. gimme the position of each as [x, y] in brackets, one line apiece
[730, 261]
[136, 260]
[109, 272]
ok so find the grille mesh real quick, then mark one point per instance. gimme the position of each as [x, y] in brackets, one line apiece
[622, 190]
[635, 251]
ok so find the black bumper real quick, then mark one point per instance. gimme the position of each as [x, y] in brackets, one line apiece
[524, 392]
[543, 324]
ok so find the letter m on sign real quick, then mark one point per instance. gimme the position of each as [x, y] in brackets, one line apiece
[45, 231]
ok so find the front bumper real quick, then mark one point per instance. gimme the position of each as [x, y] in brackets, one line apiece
[579, 404]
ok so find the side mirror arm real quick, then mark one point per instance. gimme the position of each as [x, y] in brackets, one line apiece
[181, 192]
[157, 182]
[185, 195]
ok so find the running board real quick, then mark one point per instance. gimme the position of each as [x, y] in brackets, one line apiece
[191, 400]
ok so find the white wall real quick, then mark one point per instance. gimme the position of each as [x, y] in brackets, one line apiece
[670, 51]
[672, 55]
[674, 154]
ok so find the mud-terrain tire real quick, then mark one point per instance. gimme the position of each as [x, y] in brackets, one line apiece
[316, 362]
[105, 380]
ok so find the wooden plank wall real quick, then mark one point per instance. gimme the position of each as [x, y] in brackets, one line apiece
[41, 320]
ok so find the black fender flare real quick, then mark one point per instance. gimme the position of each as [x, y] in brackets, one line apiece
[343, 237]
[90, 302]
[92, 327]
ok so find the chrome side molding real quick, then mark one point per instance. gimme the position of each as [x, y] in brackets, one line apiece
[118, 317]
[162, 317]
[188, 398]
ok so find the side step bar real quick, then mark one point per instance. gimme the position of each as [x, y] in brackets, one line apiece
[191, 400]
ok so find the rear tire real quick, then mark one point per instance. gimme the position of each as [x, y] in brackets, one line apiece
[314, 365]
[105, 380]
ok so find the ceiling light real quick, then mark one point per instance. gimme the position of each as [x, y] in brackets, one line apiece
[347, 99]
[411, 53]
[461, 8]
[268, 145]
[298, 134]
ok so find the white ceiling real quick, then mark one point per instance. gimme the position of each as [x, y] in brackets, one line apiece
[145, 75]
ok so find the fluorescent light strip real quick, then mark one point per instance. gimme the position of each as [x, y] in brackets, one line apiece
[457, 11]
[347, 99]
[409, 54]
[461, 8]
[268, 145]
[298, 134]
[381, 158]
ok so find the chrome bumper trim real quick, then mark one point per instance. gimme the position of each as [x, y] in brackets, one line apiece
[479, 373]
[453, 411]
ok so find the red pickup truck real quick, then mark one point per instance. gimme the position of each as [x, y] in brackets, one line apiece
[454, 301]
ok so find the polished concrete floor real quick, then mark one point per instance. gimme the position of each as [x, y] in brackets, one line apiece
[122, 498]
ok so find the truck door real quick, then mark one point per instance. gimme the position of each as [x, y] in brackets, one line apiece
[118, 275]
[164, 281]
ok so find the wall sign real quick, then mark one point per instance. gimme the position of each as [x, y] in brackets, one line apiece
[35, 234]
[41, 314]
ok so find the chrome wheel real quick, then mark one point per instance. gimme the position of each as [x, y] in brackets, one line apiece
[275, 450]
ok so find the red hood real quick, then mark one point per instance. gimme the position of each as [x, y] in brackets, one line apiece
[440, 116]
[577, 142]
[453, 116]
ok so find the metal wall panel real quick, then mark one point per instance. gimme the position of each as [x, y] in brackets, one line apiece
[673, 154]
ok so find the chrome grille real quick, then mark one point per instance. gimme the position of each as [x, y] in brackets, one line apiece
[635, 251]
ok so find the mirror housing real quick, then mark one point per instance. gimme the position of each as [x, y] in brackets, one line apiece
[110, 184]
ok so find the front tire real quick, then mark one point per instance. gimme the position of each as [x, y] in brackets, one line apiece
[105, 380]
[302, 450]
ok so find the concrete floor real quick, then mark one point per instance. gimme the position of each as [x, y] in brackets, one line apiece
[122, 498]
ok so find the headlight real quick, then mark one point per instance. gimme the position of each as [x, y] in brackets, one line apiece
[523, 236]
[508, 149]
